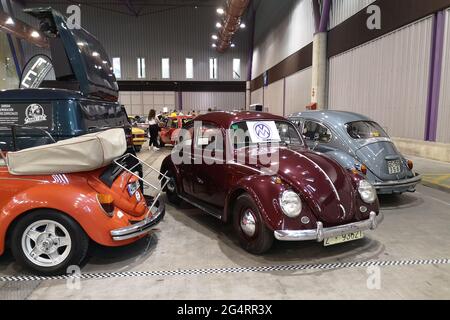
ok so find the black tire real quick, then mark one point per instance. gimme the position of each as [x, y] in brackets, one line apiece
[262, 239]
[171, 190]
[78, 239]
[161, 144]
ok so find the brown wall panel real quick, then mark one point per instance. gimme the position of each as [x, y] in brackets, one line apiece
[300, 60]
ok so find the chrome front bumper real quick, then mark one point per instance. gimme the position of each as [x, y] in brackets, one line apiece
[406, 183]
[322, 233]
[141, 228]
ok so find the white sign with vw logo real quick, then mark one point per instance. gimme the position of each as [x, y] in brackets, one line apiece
[263, 131]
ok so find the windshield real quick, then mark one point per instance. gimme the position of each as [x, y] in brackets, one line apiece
[365, 130]
[255, 132]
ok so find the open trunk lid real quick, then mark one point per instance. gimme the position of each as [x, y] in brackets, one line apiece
[79, 60]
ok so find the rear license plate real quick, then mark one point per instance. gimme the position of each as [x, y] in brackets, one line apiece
[394, 167]
[343, 238]
[132, 188]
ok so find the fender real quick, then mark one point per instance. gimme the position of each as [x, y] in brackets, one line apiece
[77, 201]
[166, 165]
[343, 158]
[264, 192]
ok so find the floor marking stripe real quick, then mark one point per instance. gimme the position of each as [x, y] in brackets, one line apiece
[171, 273]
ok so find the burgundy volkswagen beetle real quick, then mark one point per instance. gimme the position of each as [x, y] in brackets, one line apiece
[255, 170]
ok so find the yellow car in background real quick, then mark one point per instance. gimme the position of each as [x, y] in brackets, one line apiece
[139, 136]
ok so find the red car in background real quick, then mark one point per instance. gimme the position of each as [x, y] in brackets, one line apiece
[171, 128]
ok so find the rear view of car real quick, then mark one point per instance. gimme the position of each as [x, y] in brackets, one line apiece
[62, 195]
[359, 143]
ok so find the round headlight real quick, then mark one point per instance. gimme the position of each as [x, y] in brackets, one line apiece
[291, 204]
[367, 191]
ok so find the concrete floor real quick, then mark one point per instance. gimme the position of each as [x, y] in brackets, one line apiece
[435, 174]
[416, 227]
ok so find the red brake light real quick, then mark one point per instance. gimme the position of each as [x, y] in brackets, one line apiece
[106, 201]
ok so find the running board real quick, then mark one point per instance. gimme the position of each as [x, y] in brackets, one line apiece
[204, 207]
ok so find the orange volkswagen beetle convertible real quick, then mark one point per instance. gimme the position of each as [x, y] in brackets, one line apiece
[55, 198]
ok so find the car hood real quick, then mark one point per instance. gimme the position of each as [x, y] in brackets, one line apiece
[375, 154]
[79, 60]
[322, 183]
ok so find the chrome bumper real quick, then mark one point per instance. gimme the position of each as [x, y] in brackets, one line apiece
[322, 233]
[411, 182]
[141, 228]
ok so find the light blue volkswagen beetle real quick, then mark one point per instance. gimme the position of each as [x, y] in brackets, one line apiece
[357, 142]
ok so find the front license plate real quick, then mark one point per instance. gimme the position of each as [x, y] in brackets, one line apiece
[343, 238]
[394, 167]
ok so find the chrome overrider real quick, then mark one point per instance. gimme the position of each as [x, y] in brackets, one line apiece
[322, 233]
[141, 228]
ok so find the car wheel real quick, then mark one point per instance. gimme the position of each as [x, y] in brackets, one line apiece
[171, 190]
[250, 227]
[160, 142]
[48, 242]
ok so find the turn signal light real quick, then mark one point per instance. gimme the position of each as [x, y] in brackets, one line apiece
[106, 201]
[364, 169]
[410, 165]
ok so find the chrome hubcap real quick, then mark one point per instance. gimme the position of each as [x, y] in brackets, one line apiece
[46, 243]
[248, 223]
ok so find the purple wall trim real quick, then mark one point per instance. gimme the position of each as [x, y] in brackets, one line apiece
[325, 17]
[434, 84]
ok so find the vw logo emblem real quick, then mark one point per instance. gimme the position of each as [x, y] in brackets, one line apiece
[263, 131]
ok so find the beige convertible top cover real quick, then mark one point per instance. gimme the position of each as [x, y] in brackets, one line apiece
[80, 154]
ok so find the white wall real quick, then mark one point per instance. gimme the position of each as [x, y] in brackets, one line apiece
[219, 101]
[257, 96]
[282, 28]
[386, 79]
[140, 103]
[298, 91]
[443, 130]
[274, 98]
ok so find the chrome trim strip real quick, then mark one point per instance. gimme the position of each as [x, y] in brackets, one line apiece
[322, 233]
[327, 177]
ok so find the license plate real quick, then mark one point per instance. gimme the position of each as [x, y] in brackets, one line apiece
[132, 188]
[343, 238]
[394, 167]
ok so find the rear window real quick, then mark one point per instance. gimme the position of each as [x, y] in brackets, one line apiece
[365, 130]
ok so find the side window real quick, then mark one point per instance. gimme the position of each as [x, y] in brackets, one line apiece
[209, 136]
[314, 131]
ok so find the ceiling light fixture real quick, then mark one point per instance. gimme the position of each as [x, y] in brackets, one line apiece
[243, 26]
[220, 11]
[214, 37]
[9, 21]
[218, 25]
[35, 34]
